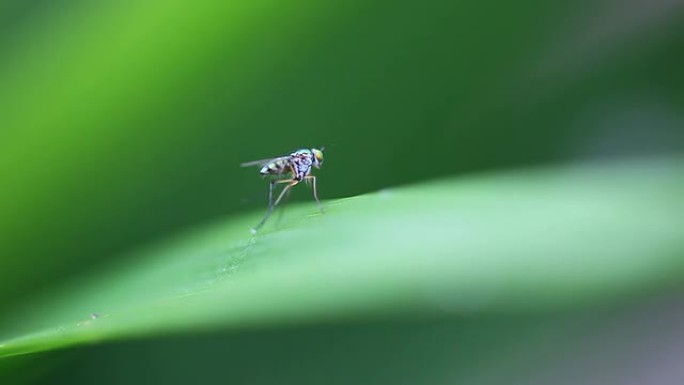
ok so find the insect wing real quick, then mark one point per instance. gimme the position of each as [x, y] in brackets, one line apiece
[263, 162]
[260, 162]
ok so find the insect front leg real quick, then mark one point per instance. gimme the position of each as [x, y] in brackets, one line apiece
[315, 190]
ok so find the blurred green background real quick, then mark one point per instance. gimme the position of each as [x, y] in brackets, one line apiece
[124, 122]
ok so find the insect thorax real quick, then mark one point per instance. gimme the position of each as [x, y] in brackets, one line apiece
[298, 163]
[301, 164]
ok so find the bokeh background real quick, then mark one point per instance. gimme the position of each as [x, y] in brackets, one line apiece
[122, 122]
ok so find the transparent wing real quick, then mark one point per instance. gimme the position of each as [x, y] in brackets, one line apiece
[259, 163]
[262, 162]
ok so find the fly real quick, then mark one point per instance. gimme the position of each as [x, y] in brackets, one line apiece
[290, 169]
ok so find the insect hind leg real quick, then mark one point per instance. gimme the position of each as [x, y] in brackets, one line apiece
[270, 193]
[272, 206]
[283, 206]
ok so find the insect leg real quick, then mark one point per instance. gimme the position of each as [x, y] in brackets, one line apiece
[283, 206]
[270, 193]
[285, 190]
[272, 206]
[315, 191]
[271, 186]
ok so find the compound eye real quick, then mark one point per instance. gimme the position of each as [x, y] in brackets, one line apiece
[318, 154]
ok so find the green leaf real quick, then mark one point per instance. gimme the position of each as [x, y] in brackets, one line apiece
[509, 242]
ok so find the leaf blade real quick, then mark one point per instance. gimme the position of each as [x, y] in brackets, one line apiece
[508, 242]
